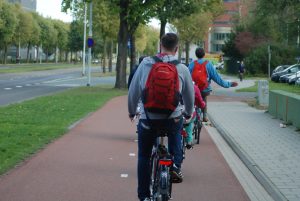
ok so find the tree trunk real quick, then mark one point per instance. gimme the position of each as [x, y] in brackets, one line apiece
[110, 55]
[47, 53]
[37, 54]
[187, 53]
[104, 56]
[132, 52]
[163, 24]
[122, 47]
[27, 55]
[5, 53]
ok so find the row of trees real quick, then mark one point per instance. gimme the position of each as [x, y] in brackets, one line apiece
[270, 23]
[121, 20]
[23, 29]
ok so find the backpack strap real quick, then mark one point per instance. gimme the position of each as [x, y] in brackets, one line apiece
[157, 59]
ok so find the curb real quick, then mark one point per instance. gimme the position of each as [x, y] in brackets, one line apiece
[250, 164]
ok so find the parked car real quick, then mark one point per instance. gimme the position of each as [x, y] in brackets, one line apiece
[297, 82]
[292, 69]
[280, 68]
[285, 78]
[293, 78]
[219, 65]
[96, 61]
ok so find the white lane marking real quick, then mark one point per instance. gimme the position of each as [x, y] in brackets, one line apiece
[28, 85]
[124, 175]
[131, 154]
[64, 79]
[8, 88]
[135, 140]
[19, 86]
[67, 85]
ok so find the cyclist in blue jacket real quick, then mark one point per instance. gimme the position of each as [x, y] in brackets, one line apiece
[212, 74]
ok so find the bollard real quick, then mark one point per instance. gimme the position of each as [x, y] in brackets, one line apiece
[263, 92]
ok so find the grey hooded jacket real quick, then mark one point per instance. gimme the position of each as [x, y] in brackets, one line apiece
[139, 81]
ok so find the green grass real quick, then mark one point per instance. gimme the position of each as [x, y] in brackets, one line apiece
[273, 86]
[27, 127]
[19, 68]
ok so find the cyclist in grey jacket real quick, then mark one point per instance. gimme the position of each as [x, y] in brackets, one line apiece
[146, 137]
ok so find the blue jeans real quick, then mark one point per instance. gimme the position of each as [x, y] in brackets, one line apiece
[146, 139]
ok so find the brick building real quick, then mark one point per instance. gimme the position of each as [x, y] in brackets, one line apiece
[222, 26]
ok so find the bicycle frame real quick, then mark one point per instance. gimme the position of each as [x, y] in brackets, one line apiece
[161, 161]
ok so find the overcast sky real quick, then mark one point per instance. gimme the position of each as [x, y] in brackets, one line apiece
[52, 8]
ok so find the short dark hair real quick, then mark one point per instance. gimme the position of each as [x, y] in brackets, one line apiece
[169, 41]
[200, 53]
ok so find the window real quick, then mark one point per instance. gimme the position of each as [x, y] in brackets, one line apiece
[217, 47]
[221, 36]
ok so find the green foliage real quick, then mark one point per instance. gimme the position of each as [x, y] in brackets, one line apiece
[152, 40]
[75, 36]
[9, 21]
[257, 60]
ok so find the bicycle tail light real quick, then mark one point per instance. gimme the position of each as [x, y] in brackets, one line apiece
[166, 162]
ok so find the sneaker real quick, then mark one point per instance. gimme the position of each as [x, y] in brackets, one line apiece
[189, 145]
[176, 174]
[146, 199]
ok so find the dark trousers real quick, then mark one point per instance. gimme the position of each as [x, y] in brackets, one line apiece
[204, 97]
[146, 139]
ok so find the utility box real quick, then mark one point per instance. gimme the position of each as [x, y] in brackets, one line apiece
[263, 92]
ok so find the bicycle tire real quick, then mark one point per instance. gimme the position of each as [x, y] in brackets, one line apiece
[199, 128]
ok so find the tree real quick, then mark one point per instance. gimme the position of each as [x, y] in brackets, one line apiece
[62, 37]
[33, 39]
[75, 36]
[23, 29]
[9, 21]
[192, 28]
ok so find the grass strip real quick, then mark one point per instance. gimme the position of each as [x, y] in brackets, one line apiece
[27, 127]
[273, 86]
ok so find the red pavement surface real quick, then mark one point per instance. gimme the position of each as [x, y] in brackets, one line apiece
[86, 165]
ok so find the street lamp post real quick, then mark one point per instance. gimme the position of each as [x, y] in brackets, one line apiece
[84, 40]
[298, 34]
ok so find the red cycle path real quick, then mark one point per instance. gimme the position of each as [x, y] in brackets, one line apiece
[87, 163]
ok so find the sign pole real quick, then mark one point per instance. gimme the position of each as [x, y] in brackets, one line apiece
[90, 44]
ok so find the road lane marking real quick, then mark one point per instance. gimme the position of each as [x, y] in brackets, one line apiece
[28, 85]
[131, 154]
[7, 88]
[19, 86]
[67, 85]
[124, 175]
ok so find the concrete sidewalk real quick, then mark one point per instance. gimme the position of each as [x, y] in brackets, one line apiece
[270, 152]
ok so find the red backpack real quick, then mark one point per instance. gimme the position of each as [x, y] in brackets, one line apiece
[199, 75]
[161, 94]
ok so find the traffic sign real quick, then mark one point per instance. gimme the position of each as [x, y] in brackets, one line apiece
[90, 42]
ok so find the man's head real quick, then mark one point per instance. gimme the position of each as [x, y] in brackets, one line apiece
[169, 42]
[200, 53]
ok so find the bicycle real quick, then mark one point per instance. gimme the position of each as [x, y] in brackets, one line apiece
[198, 123]
[161, 162]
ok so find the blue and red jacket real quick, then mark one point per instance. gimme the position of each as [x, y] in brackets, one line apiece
[212, 74]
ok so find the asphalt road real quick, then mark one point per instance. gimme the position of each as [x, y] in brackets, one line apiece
[17, 87]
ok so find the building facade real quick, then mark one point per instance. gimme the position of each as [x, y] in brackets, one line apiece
[222, 26]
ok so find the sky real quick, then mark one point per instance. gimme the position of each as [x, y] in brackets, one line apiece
[52, 8]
